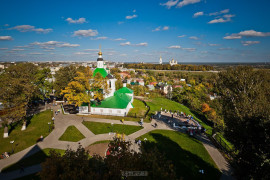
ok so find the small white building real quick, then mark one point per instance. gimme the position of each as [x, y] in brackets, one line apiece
[173, 62]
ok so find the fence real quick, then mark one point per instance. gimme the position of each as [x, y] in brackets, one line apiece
[223, 144]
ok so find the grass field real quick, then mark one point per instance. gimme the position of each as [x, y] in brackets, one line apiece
[23, 139]
[156, 104]
[36, 158]
[72, 134]
[187, 154]
[139, 109]
[102, 128]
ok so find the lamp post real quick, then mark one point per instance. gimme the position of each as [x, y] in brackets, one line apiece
[49, 123]
[11, 142]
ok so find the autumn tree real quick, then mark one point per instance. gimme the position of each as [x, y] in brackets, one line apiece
[246, 107]
[78, 91]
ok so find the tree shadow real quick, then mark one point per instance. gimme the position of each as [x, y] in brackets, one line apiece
[32, 157]
[187, 165]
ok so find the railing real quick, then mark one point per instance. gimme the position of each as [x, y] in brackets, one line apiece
[223, 144]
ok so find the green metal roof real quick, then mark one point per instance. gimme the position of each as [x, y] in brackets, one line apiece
[118, 101]
[125, 90]
[102, 71]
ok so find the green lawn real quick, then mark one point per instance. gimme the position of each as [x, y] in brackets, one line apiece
[102, 128]
[23, 139]
[139, 109]
[72, 134]
[36, 158]
[156, 103]
[187, 154]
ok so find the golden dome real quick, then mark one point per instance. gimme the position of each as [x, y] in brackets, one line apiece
[100, 53]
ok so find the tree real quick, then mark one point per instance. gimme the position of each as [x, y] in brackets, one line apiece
[62, 77]
[78, 165]
[78, 91]
[19, 85]
[245, 98]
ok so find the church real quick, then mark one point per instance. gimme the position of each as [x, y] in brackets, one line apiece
[116, 103]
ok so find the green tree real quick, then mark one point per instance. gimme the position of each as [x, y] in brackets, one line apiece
[78, 165]
[246, 106]
[63, 77]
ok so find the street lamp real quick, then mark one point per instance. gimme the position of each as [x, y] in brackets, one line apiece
[49, 123]
[11, 142]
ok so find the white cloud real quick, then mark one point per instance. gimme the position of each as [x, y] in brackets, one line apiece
[101, 38]
[141, 44]
[247, 33]
[5, 38]
[119, 39]
[247, 43]
[6, 25]
[181, 36]
[165, 28]
[129, 44]
[95, 50]
[219, 20]
[76, 21]
[86, 33]
[159, 28]
[187, 2]
[169, 4]
[134, 10]
[29, 28]
[68, 45]
[125, 44]
[81, 53]
[17, 49]
[174, 47]
[219, 12]
[193, 37]
[233, 36]
[213, 44]
[123, 54]
[36, 53]
[52, 44]
[252, 33]
[225, 18]
[3, 48]
[189, 49]
[120, 22]
[197, 14]
[131, 17]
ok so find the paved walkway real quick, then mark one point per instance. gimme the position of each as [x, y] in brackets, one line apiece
[63, 121]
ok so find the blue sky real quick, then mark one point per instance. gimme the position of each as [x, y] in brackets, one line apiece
[135, 30]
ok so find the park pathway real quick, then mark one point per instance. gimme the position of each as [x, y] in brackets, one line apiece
[63, 121]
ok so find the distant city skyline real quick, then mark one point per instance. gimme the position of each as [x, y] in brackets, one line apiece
[135, 31]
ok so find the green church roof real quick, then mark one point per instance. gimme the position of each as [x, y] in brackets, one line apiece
[118, 101]
[125, 90]
[102, 71]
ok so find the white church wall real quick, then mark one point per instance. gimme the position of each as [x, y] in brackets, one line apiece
[110, 111]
